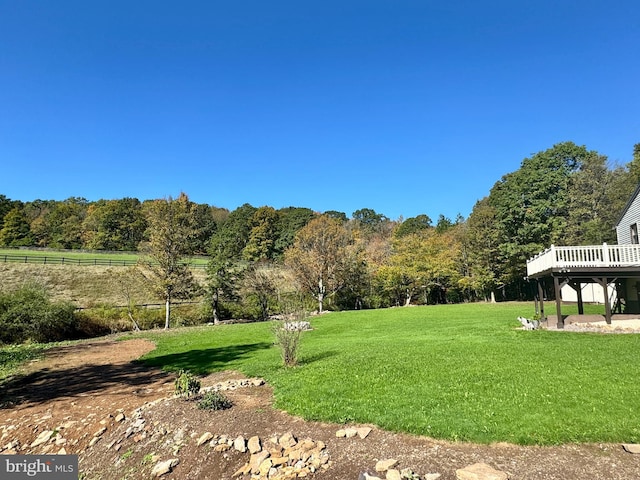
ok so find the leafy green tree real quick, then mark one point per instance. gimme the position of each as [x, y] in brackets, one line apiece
[340, 216]
[413, 225]
[233, 234]
[482, 241]
[261, 244]
[6, 205]
[292, 219]
[15, 231]
[592, 194]
[531, 207]
[321, 258]
[61, 224]
[114, 225]
[171, 230]
[369, 222]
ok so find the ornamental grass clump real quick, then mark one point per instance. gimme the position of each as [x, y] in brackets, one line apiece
[288, 335]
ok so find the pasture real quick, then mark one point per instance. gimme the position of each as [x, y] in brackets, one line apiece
[458, 372]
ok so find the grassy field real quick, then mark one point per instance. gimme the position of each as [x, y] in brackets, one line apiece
[460, 372]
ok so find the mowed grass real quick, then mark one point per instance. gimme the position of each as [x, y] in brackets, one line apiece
[458, 372]
[54, 255]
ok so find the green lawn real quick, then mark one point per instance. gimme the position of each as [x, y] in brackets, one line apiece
[461, 372]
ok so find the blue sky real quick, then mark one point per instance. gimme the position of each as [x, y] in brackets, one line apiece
[406, 107]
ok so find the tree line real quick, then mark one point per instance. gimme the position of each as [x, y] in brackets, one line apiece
[565, 195]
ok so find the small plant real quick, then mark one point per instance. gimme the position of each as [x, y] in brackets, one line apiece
[126, 454]
[288, 333]
[186, 385]
[214, 401]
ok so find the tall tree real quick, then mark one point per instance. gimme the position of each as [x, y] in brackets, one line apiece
[114, 225]
[262, 237]
[15, 231]
[171, 231]
[531, 206]
[413, 225]
[321, 258]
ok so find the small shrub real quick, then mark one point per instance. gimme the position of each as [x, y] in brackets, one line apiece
[28, 313]
[214, 401]
[186, 385]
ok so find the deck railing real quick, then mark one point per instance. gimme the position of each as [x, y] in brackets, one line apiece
[588, 256]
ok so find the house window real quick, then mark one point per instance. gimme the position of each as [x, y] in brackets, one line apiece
[634, 233]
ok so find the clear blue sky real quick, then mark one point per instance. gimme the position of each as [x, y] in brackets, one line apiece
[406, 107]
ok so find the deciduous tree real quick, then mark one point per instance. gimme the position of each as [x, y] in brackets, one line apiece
[321, 257]
[171, 230]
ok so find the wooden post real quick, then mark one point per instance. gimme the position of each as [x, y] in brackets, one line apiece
[607, 302]
[541, 297]
[578, 289]
[556, 284]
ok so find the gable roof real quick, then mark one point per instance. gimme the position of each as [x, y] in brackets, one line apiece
[626, 207]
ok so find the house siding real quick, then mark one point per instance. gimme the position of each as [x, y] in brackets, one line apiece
[631, 216]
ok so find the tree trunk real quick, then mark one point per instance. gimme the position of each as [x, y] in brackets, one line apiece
[407, 298]
[167, 311]
[493, 296]
[216, 315]
[321, 291]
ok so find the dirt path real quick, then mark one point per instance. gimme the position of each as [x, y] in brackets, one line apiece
[78, 393]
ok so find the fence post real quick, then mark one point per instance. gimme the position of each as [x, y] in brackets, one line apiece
[605, 254]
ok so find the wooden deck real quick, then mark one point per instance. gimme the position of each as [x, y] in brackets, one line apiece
[593, 258]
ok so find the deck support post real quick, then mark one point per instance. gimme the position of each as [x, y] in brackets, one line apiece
[556, 285]
[541, 299]
[604, 283]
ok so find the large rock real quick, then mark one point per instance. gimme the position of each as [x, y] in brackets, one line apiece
[254, 444]
[165, 467]
[384, 465]
[42, 438]
[480, 471]
[631, 447]
[240, 444]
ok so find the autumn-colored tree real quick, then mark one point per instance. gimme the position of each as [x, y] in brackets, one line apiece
[321, 257]
[171, 230]
[426, 261]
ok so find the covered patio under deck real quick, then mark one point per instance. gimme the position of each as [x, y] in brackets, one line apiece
[603, 264]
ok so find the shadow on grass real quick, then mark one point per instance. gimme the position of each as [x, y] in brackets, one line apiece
[206, 360]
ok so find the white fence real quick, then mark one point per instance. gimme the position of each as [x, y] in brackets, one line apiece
[588, 256]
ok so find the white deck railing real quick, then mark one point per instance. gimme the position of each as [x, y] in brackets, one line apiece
[588, 256]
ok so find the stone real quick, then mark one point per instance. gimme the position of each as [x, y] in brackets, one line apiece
[42, 438]
[257, 382]
[244, 470]
[393, 474]
[165, 467]
[363, 432]
[366, 476]
[480, 471]
[350, 432]
[341, 433]
[384, 465]
[265, 466]
[62, 451]
[631, 447]
[240, 444]
[120, 417]
[287, 440]
[254, 444]
[432, 476]
[204, 438]
[100, 432]
[223, 447]
[256, 460]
